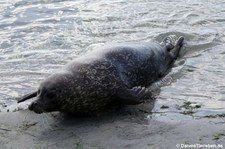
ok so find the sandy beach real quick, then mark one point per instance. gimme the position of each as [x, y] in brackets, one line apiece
[121, 129]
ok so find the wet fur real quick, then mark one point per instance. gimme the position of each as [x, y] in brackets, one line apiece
[100, 78]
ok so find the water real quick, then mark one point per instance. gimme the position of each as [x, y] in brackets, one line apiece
[38, 37]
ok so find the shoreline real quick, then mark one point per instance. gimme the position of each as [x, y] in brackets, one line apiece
[25, 129]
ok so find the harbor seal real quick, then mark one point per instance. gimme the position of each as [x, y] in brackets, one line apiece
[118, 73]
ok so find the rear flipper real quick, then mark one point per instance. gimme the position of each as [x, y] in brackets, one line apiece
[173, 45]
[176, 50]
[133, 96]
[169, 42]
[26, 97]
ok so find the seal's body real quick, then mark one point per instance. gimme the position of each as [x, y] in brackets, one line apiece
[114, 74]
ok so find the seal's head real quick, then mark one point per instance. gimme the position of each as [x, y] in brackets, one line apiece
[52, 92]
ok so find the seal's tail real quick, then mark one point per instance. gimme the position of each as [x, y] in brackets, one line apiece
[28, 96]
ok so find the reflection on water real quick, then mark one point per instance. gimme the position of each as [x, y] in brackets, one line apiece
[40, 36]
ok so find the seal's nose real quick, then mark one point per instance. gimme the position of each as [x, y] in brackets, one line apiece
[32, 106]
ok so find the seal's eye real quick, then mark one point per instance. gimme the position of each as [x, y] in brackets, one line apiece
[39, 91]
[50, 95]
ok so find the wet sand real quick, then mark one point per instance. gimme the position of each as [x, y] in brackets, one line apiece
[25, 129]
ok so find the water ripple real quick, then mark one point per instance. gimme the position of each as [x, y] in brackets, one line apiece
[40, 36]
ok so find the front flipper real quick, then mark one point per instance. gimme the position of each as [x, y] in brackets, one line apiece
[133, 96]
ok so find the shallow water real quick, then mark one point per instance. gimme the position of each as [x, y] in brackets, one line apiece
[40, 36]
